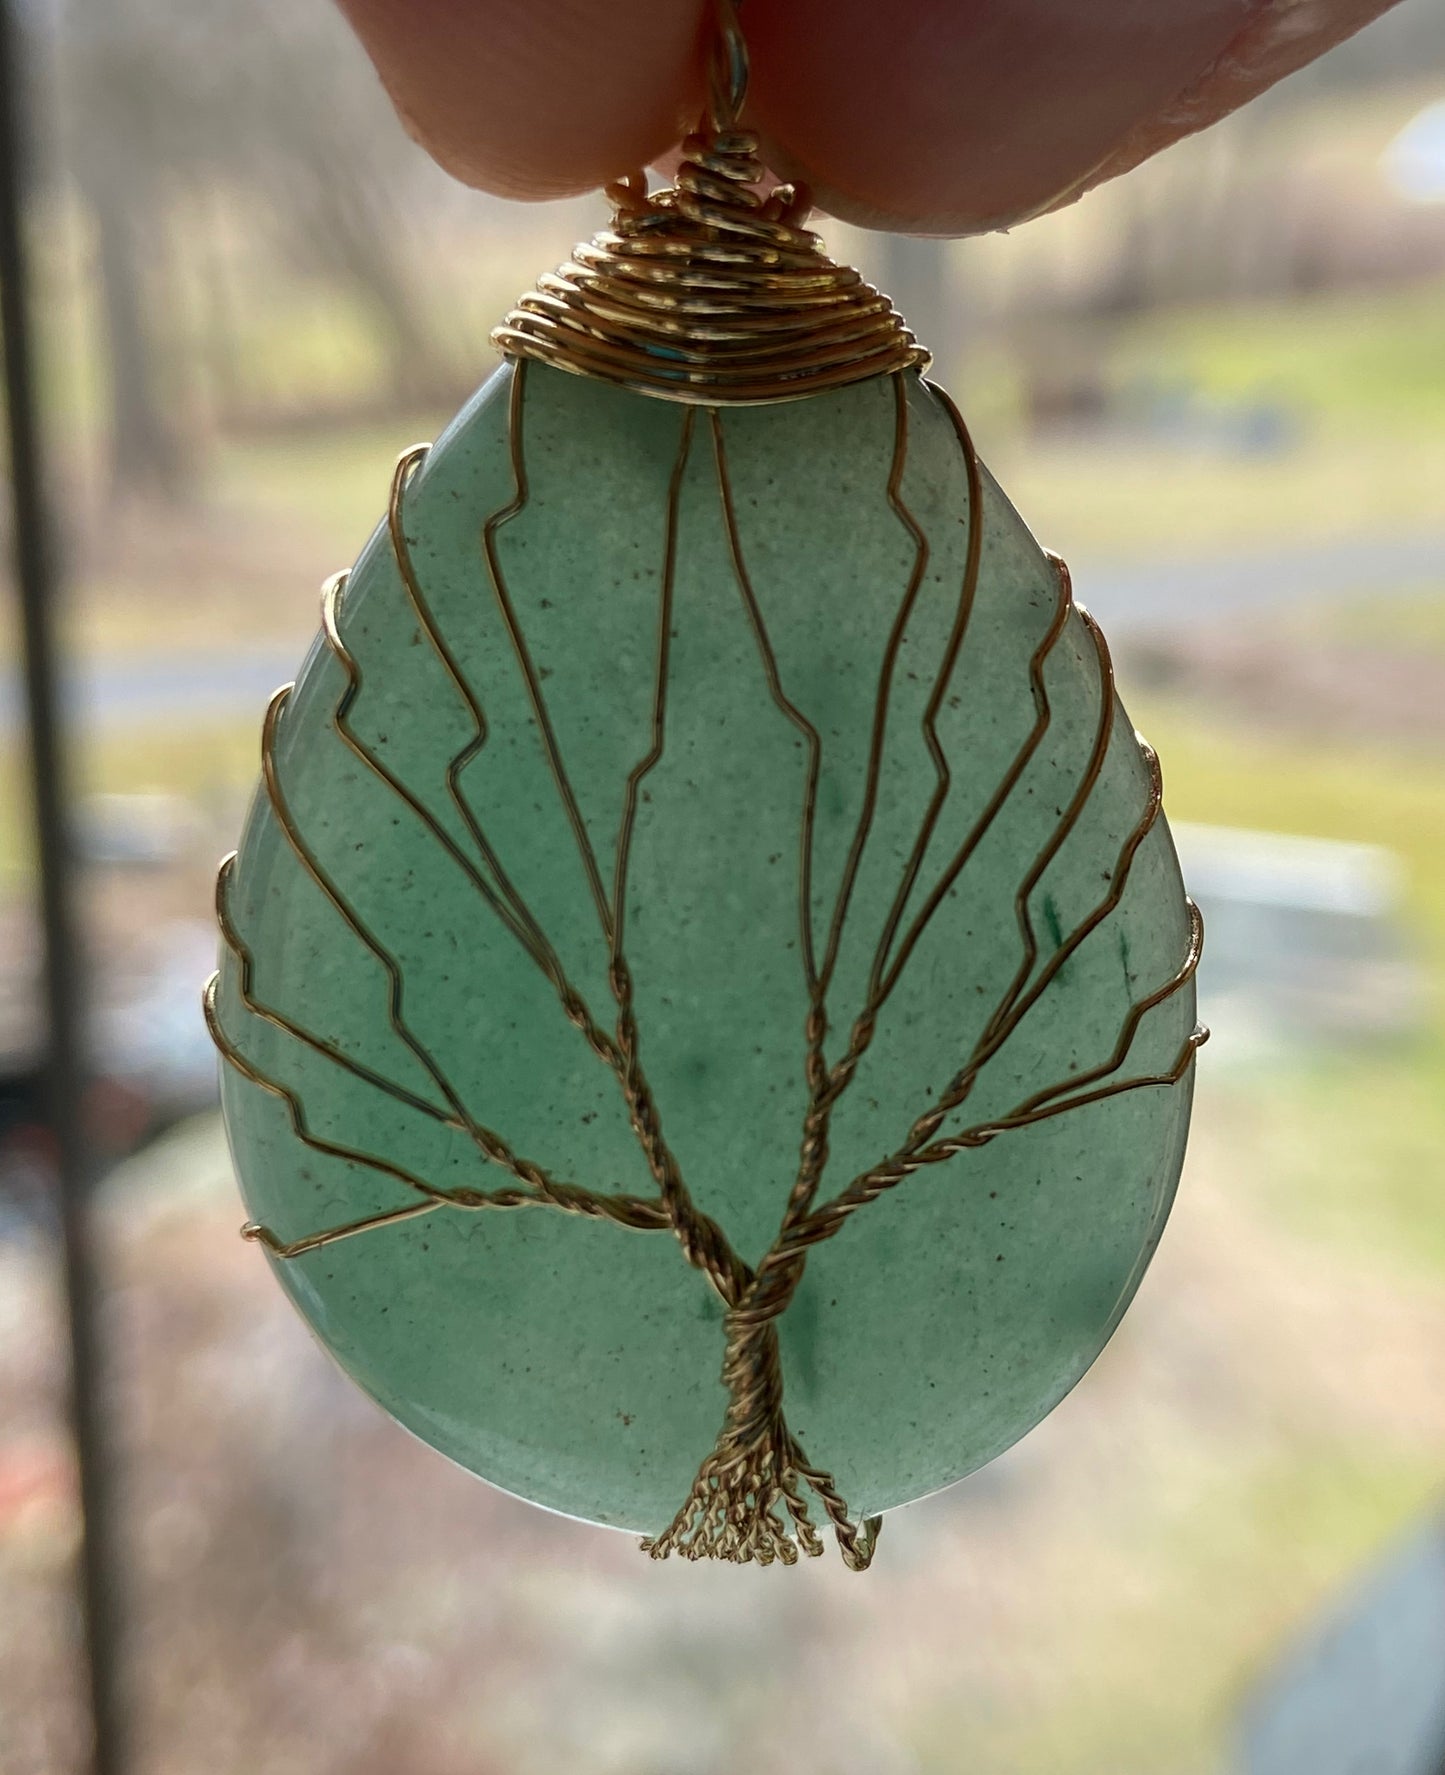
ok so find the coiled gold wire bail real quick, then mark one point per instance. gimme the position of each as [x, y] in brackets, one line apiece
[707, 291]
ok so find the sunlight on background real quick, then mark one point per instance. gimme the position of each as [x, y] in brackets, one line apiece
[1218, 388]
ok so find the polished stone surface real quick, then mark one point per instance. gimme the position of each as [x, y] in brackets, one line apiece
[571, 1361]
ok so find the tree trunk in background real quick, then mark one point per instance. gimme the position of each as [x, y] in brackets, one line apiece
[368, 259]
[146, 448]
[364, 241]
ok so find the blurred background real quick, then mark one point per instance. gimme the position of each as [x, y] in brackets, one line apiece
[1218, 388]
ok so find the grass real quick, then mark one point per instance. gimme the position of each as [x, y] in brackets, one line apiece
[211, 764]
[1197, 1602]
[1346, 1146]
[1349, 1156]
[1227, 776]
[1362, 377]
[1344, 359]
[335, 483]
[1142, 501]
[1410, 620]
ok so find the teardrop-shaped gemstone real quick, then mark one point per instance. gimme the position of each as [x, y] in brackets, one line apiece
[644, 740]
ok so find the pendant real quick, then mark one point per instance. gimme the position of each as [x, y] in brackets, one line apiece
[705, 905]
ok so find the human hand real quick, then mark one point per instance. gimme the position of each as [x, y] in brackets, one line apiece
[926, 116]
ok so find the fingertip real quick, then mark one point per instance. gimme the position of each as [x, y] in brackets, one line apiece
[954, 116]
[537, 101]
[958, 116]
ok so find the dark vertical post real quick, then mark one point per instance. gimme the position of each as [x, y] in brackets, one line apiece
[64, 1060]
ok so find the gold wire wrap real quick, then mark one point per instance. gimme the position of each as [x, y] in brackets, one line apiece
[749, 1502]
[709, 291]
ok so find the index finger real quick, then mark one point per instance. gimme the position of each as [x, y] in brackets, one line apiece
[929, 116]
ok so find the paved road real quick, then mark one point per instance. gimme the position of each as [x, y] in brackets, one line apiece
[168, 685]
[1161, 595]
[1157, 596]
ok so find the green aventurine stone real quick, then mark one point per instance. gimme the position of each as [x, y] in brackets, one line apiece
[567, 1359]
